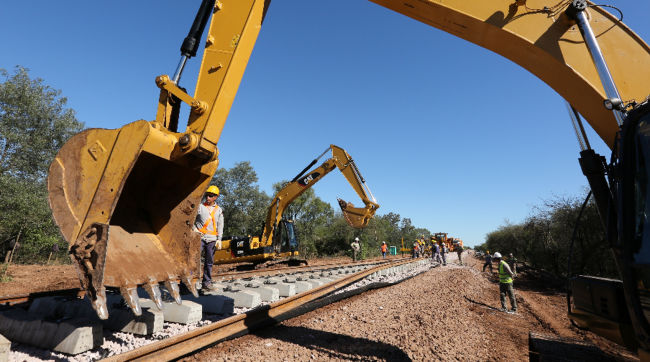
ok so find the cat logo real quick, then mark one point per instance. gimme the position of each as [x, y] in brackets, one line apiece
[240, 244]
[305, 181]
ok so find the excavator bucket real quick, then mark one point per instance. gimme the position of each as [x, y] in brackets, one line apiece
[357, 217]
[125, 201]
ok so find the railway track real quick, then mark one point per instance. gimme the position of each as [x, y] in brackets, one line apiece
[80, 293]
[218, 328]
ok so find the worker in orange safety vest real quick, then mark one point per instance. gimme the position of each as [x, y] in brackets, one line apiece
[209, 222]
[384, 249]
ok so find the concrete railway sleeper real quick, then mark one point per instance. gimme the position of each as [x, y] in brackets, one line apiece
[235, 308]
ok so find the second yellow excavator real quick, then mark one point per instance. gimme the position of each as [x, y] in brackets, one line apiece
[278, 239]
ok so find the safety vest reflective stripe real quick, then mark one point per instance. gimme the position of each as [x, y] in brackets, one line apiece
[504, 277]
[204, 229]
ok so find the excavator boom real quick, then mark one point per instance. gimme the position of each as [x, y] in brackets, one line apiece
[355, 216]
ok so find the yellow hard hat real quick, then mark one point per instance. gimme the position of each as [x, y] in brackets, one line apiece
[213, 190]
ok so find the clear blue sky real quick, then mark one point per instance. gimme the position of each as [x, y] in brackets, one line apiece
[448, 134]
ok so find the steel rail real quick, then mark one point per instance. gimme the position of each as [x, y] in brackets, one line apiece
[270, 271]
[186, 343]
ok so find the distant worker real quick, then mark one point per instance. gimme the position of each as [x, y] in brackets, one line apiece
[384, 248]
[443, 253]
[415, 249]
[505, 284]
[488, 261]
[513, 262]
[459, 251]
[423, 245]
[355, 248]
[435, 253]
[209, 222]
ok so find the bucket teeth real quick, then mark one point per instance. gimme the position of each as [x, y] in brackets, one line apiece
[130, 296]
[173, 289]
[99, 304]
[154, 293]
[191, 285]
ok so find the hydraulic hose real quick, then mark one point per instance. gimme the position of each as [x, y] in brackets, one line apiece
[568, 273]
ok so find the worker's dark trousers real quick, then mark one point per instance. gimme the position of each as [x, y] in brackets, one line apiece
[207, 247]
[506, 288]
[487, 264]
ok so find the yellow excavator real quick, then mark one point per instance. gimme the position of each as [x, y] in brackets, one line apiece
[278, 239]
[441, 239]
[105, 186]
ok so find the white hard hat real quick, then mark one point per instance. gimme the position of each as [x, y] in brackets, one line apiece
[356, 239]
[497, 255]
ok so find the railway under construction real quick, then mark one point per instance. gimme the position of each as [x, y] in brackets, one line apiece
[62, 326]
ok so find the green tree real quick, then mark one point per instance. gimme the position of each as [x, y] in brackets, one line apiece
[244, 204]
[543, 240]
[393, 232]
[407, 233]
[34, 124]
[335, 237]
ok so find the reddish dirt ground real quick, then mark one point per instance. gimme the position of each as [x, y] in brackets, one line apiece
[38, 278]
[447, 313]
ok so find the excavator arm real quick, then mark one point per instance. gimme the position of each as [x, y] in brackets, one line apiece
[125, 199]
[356, 217]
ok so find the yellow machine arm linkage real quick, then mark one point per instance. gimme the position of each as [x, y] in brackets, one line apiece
[357, 217]
[125, 199]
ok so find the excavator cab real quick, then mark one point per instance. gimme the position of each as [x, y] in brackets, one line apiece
[619, 309]
[286, 240]
[632, 247]
[632, 191]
